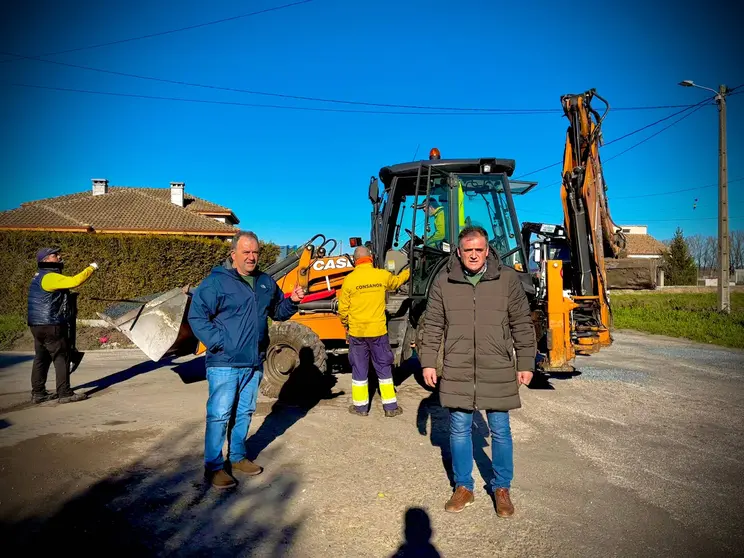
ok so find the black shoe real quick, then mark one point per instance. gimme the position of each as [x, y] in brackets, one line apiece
[72, 398]
[43, 397]
[394, 412]
[75, 359]
[353, 410]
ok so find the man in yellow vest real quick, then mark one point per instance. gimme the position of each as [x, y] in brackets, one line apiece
[362, 311]
[436, 213]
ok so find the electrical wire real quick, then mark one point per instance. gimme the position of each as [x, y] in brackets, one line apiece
[670, 192]
[321, 99]
[652, 124]
[254, 105]
[161, 33]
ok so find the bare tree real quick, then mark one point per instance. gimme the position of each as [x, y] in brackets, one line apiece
[710, 254]
[696, 243]
[736, 249]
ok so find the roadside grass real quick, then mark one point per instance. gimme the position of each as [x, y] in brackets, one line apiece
[692, 316]
[11, 329]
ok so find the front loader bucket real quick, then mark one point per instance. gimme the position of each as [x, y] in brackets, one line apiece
[157, 323]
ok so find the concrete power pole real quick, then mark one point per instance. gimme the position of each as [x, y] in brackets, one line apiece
[724, 296]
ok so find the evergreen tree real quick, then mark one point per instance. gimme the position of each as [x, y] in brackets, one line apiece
[679, 266]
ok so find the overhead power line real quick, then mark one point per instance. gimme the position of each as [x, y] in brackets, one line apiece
[644, 140]
[670, 192]
[647, 126]
[254, 105]
[321, 99]
[170, 31]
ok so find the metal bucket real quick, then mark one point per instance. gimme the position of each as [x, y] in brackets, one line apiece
[157, 324]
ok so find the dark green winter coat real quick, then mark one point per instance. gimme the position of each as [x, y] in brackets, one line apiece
[481, 325]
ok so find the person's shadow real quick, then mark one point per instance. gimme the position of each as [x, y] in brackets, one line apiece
[304, 389]
[439, 435]
[417, 534]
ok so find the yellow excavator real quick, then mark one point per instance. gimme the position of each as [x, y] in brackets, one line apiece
[418, 210]
[571, 308]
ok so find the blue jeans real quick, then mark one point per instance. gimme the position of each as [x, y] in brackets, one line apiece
[229, 388]
[461, 445]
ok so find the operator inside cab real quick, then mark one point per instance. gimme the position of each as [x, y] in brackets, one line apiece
[435, 212]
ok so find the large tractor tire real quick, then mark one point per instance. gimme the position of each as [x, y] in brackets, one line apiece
[292, 348]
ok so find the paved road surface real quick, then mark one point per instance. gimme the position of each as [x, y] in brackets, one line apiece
[639, 455]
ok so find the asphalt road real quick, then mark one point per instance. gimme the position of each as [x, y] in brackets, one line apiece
[638, 455]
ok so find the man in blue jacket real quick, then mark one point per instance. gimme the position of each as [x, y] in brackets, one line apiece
[229, 313]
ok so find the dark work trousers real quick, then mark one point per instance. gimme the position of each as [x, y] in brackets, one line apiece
[51, 345]
[360, 351]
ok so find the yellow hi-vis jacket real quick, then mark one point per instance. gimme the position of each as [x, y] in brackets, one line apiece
[361, 304]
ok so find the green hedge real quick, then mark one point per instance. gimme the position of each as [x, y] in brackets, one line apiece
[128, 265]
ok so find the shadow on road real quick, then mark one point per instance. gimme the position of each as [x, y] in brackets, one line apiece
[162, 506]
[430, 408]
[417, 533]
[11, 359]
[190, 371]
[541, 380]
[121, 376]
[306, 387]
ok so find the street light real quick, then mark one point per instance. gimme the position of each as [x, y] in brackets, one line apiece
[724, 298]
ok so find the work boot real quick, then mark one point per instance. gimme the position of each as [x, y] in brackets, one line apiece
[504, 506]
[460, 500]
[220, 479]
[394, 412]
[75, 358]
[353, 409]
[247, 467]
[43, 396]
[73, 397]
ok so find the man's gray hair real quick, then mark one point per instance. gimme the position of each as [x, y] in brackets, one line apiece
[243, 234]
[474, 230]
[361, 252]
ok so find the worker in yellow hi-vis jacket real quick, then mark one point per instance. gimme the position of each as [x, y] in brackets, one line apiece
[362, 311]
[49, 317]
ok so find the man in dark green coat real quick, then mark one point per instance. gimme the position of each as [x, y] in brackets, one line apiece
[480, 309]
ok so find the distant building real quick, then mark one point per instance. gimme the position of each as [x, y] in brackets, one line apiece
[123, 209]
[640, 244]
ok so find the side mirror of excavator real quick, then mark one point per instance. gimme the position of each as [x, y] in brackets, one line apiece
[374, 192]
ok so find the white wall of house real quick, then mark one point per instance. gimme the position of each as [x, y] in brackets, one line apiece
[634, 229]
[645, 256]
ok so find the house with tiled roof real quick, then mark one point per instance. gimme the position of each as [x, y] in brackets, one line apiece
[124, 210]
[640, 244]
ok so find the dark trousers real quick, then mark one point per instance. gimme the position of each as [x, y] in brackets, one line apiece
[360, 351]
[52, 346]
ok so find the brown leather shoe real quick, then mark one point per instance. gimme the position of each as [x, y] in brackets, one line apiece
[504, 506]
[460, 500]
[247, 467]
[220, 479]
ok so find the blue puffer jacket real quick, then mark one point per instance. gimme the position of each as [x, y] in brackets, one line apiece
[231, 319]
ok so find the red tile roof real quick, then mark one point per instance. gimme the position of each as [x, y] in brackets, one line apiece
[121, 209]
[643, 245]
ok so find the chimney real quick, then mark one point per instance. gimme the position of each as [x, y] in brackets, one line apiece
[100, 186]
[176, 189]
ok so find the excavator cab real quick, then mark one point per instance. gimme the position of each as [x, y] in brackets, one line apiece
[418, 216]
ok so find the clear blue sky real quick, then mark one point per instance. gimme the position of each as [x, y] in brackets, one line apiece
[288, 174]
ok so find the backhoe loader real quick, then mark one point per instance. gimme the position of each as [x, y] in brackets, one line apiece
[417, 213]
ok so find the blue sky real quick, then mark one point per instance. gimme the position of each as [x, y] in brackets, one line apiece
[288, 174]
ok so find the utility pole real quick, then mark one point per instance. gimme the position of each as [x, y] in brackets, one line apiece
[724, 295]
[724, 291]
